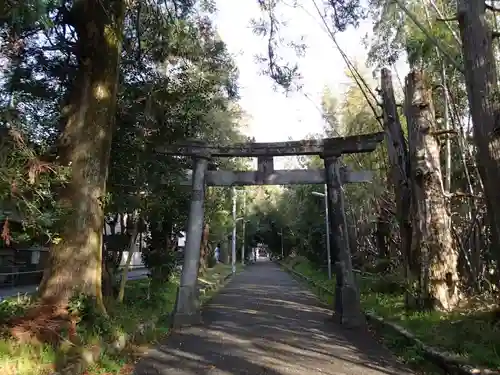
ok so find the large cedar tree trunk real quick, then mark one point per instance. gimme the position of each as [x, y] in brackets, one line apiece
[111, 256]
[484, 102]
[432, 239]
[85, 142]
[397, 151]
[204, 251]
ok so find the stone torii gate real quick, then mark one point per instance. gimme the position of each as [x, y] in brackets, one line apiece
[347, 304]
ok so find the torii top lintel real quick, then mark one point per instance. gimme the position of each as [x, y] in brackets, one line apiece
[327, 146]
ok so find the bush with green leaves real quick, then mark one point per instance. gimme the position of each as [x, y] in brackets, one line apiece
[27, 187]
[160, 262]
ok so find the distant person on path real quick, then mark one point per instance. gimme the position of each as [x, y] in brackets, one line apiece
[217, 253]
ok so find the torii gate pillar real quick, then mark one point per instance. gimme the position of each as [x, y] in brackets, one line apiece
[347, 302]
[187, 310]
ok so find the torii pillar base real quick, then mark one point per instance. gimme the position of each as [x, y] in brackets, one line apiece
[187, 310]
[347, 307]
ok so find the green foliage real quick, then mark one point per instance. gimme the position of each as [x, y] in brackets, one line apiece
[27, 187]
[390, 285]
[84, 307]
[300, 215]
[161, 264]
[396, 36]
[211, 261]
[337, 14]
[177, 81]
[11, 307]
[143, 319]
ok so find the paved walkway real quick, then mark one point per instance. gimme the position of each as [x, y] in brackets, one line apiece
[265, 322]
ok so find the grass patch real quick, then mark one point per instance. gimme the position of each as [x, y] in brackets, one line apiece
[471, 334]
[142, 320]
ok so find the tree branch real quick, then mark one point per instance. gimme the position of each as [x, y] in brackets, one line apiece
[450, 19]
[492, 8]
[429, 36]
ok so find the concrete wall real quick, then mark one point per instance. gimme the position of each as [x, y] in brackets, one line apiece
[136, 259]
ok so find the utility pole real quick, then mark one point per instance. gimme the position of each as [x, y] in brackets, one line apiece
[327, 227]
[244, 222]
[233, 244]
[282, 251]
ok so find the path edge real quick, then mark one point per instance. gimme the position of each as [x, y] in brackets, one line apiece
[213, 289]
[452, 364]
[210, 289]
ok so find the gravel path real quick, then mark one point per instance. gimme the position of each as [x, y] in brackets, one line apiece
[265, 322]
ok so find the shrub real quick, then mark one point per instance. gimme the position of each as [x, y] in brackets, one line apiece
[160, 262]
[296, 260]
[389, 284]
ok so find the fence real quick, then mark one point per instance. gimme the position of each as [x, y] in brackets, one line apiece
[12, 279]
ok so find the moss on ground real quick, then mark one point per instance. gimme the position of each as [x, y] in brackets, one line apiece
[472, 334]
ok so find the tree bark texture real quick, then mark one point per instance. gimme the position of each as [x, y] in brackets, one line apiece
[432, 238]
[399, 166]
[204, 250]
[85, 142]
[482, 92]
[131, 250]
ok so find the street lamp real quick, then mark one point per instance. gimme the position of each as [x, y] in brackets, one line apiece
[243, 239]
[243, 243]
[280, 233]
[327, 226]
[235, 220]
[282, 252]
[233, 243]
[244, 222]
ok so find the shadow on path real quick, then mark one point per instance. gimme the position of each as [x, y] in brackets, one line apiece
[265, 322]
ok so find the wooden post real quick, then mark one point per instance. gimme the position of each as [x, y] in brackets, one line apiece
[347, 300]
[265, 166]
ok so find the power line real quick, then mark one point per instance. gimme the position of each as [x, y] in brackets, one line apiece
[426, 32]
[359, 80]
[355, 156]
